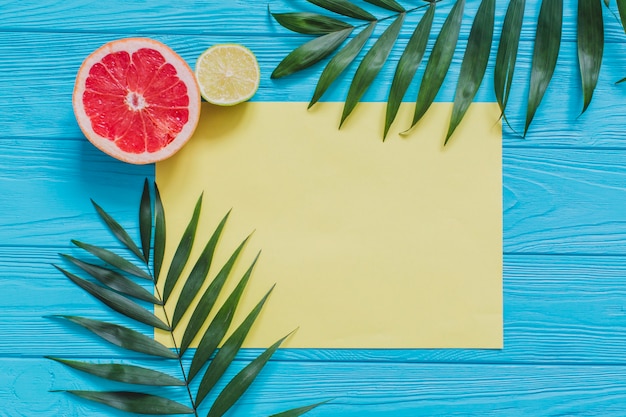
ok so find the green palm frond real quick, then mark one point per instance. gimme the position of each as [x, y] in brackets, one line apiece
[338, 36]
[113, 284]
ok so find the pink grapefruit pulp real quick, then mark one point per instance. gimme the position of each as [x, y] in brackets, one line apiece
[136, 100]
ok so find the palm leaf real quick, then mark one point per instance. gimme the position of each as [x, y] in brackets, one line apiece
[179, 260]
[338, 64]
[123, 337]
[145, 221]
[590, 46]
[474, 63]
[507, 52]
[545, 54]
[392, 5]
[118, 231]
[345, 8]
[296, 412]
[219, 326]
[407, 66]
[116, 301]
[228, 351]
[371, 65]
[439, 61]
[114, 280]
[242, 381]
[208, 299]
[621, 8]
[113, 260]
[310, 53]
[129, 374]
[310, 23]
[159, 234]
[134, 402]
[198, 274]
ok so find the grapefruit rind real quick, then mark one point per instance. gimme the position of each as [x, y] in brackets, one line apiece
[209, 74]
[184, 73]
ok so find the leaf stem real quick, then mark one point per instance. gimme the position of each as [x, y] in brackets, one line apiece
[176, 348]
[395, 15]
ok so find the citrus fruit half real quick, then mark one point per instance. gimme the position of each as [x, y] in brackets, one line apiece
[136, 100]
[227, 74]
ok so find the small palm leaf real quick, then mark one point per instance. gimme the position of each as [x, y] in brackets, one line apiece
[590, 46]
[345, 8]
[310, 53]
[228, 351]
[198, 274]
[507, 52]
[371, 65]
[340, 62]
[145, 221]
[310, 23]
[407, 66]
[240, 383]
[219, 326]
[159, 234]
[113, 260]
[545, 54]
[134, 402]
[116, 301]
[114, 280]
[182, 252]
[296, 412]
[118, 231]
[129, 374]
[474, 63]
[123, 337]
[621, 8]
[392, 5]
[208, 299]
[439, 61]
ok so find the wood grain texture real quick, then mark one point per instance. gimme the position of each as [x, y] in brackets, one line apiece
[564, 197]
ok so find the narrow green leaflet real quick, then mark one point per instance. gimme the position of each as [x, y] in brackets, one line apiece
[392, 5]
[590, 46]
[474, 63]
[407, 66]
[340, 62]
[219, 326]
[228, 351]
[439, 61]
[123, 337]
[371, 65]
[621, 7]
[113, 260]
[129, 374]
[310, 53]
[296, 412]
[310, 23]
[208, 299]
[240, 383]
[545, 54]
[118, 231]
[134, 402]
[116, 301]
[145, 221]
[345, 8]
[159, 234]
[607, 3]
[507, 52]
[198, 274]
[182, 252]
[114, 280]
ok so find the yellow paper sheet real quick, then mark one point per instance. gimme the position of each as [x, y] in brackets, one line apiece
[370, 244]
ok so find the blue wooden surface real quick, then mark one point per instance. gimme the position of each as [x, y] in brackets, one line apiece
[564, 226]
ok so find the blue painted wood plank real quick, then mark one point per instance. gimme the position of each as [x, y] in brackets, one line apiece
[558, 309]
[359, 389]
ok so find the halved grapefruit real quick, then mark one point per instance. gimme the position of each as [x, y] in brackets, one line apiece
[136, 100]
